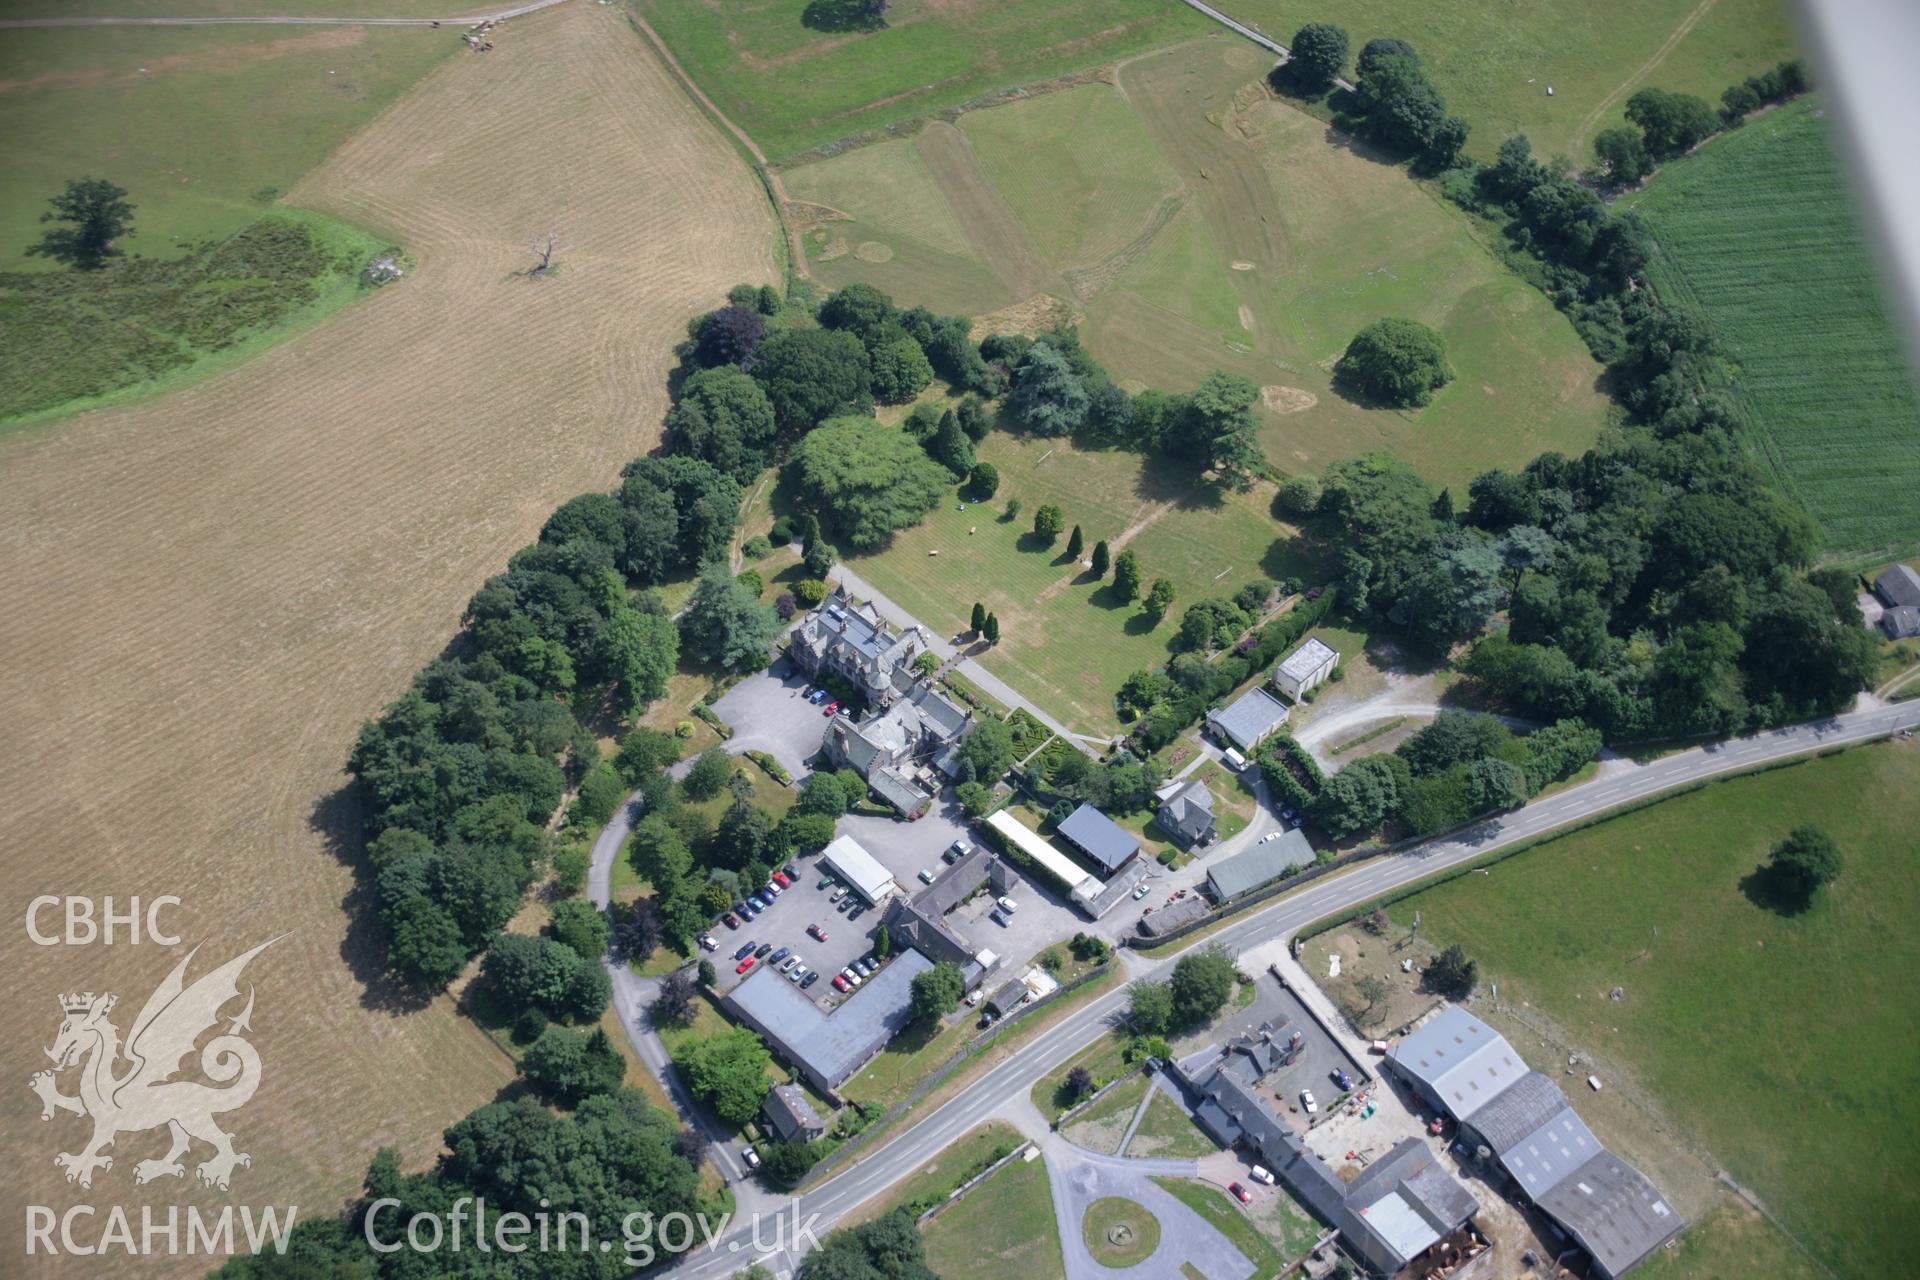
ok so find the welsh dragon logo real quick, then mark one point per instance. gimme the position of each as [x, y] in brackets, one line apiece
[143, 1094]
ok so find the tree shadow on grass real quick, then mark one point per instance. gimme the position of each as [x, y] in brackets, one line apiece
[1770, 891]
[1140, 624]
[1162, 479]
[339, 818]
[1032, 542]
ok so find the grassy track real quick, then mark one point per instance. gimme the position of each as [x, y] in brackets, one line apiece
[1066, 641]
[1781, 1044]
[1196, 224]
[1759, 231]
[204, 127]
[1494, 61]
[1003, 1227]
[794, 87]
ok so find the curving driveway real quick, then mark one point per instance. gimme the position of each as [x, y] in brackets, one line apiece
[1078, 1177]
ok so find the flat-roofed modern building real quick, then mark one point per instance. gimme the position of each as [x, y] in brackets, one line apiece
[1305, 669]
[829, 1048]
[846, 858]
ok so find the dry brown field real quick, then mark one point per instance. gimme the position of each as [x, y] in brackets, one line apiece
[207, 593]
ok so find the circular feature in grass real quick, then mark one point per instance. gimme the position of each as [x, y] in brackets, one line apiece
[1119, 1232]
[874, 251]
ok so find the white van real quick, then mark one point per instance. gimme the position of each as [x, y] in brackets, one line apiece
[1235, 760]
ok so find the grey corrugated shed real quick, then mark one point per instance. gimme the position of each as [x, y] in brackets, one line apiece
[1902, 623]
[1613, 1211]
[1262, 864]
[1100, 837]
[1463, 1063]
[1249, 717]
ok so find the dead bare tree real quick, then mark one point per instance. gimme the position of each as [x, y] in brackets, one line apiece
[543, 248]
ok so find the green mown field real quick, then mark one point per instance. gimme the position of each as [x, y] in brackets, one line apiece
[1759, 231]
[1066, 642]
[1003, 1227]
[204, 127]
[1493, 62]
[794, 76]
[1194, 223]
[1783, 1044]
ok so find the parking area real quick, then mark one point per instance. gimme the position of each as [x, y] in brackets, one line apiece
[1041, 919]
[784, 924]
[1320, 1054]
[769, 712]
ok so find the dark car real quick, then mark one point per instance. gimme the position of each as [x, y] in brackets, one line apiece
[810, 979]
[762, 951]
[780, 955]
[732, 920]
[1342, 1079]
[792, 872]
[745, 950]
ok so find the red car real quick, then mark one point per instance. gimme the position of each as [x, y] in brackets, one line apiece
[781, 880]
[745, 965]
[1239, 1193]
[733, 921]
[817, 933]
[830, 708]
[839, 983]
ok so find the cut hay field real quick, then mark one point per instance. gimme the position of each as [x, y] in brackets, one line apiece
[795, 76]
[204, 126]
[1493, 62]
[1781, 1044]
[209, 592]
[1194, 222]
[1758, 229]
[1066, 641]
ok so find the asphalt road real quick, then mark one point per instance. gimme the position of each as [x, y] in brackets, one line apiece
[881, 1167]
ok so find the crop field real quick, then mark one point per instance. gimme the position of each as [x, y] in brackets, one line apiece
[1760, 1036]
[1195, 223]
[1758, 230]
[211, 591]
[204, 126]
[797, 76]
[1065, 640]
[1493, 62]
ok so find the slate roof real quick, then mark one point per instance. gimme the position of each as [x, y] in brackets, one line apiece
[1099, 837]
[1167, 919]
[790, 1114]
[1186, 810]
[1901, 623]
[1898, 586]
[1262, 864]
[894, 787]
[1249, 717]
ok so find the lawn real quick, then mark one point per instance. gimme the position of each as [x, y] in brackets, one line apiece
[1731, 1240]
[1758, 229]
[1101, 1126]
[783, 73]
[1119, 1232]
[1167, 1131]
[1003, 1227]
[1742, 1024]
[1191, 223]
[204, 127]
[1065, 640]
[963, 1158]
[1105, 1058]
[1493, 62]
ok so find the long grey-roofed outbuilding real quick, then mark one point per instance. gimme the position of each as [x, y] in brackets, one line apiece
[1616, 1214]
[1458, 1062]
[1264, 863]
[1100, 837]
[1249, 718]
